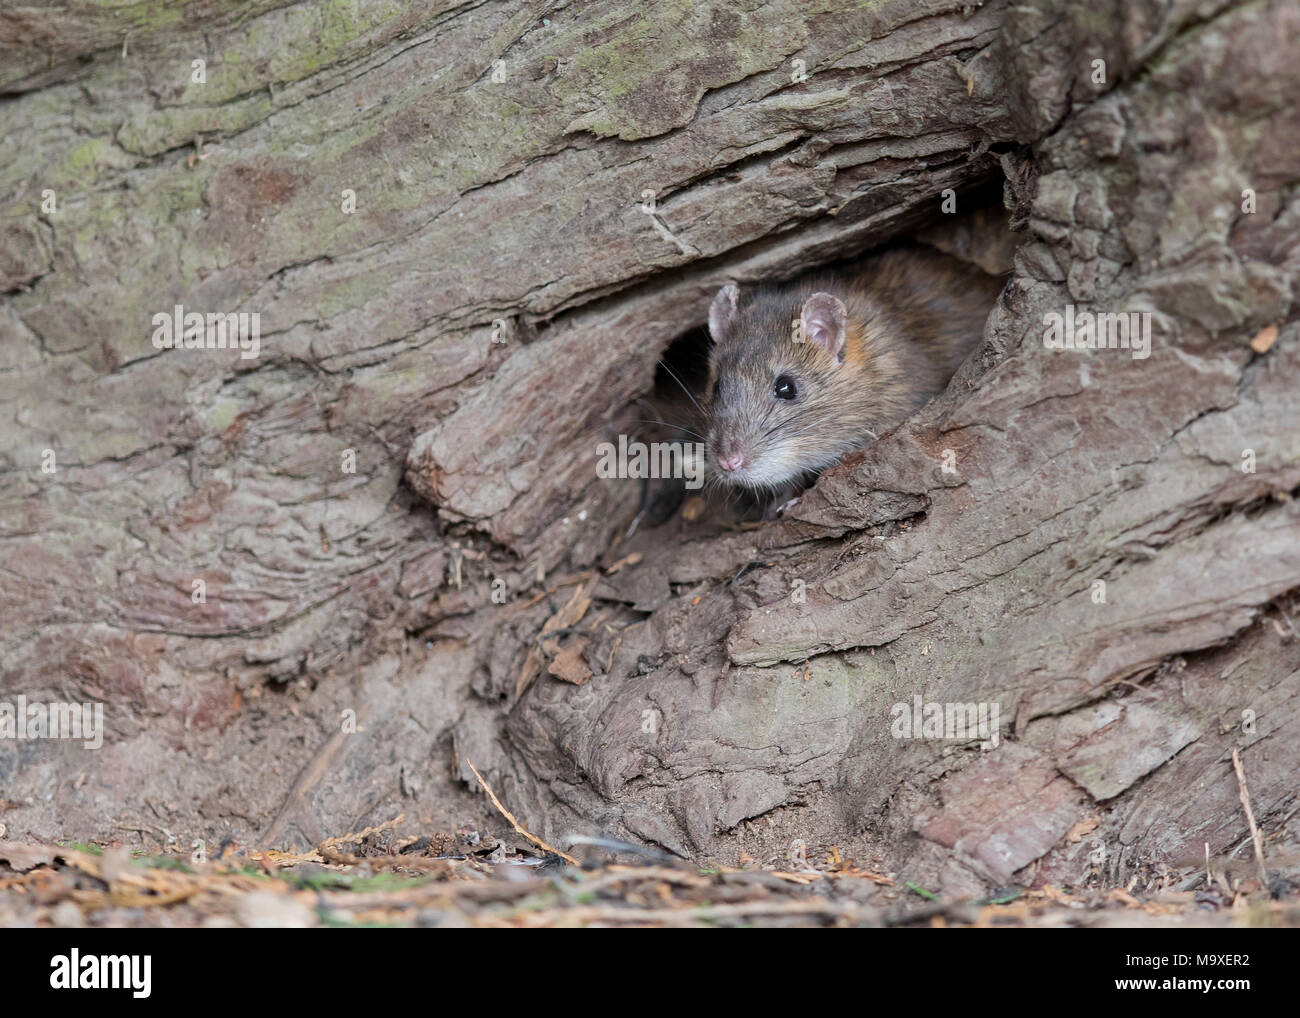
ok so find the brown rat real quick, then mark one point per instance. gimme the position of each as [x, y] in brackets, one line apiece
[802, 373]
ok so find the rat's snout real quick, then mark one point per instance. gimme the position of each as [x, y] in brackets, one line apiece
[730, 452]
[727, 452]
[731, 461]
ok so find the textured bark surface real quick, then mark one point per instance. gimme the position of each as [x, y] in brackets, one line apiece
[495, 307]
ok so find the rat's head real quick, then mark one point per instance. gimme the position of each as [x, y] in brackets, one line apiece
[780, 379]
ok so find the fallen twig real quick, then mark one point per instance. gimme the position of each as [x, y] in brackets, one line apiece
[1250, 815]
[519, 828]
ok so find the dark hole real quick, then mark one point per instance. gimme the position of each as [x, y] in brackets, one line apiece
[688, 358]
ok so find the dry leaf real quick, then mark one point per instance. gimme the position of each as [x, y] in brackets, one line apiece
[1085, 826]
[570, 615]
[569, 664]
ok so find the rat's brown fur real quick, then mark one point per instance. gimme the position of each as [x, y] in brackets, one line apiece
[912, 316]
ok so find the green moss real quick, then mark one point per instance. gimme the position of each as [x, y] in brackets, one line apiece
[326, 879]
[149, 133]
[222, 415]
[143, 17]
[674, 48]
[81, 167]
[301, 41]
[161, 862]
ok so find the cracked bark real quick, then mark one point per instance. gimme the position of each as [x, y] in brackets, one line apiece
[720, 717]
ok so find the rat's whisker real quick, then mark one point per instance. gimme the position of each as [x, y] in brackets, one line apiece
[666, 424]
[673, 375]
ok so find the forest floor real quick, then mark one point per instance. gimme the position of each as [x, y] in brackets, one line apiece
[464, 879]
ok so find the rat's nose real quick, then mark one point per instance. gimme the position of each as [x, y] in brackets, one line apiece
[732, 462]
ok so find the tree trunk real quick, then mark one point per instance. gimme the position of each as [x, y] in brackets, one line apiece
[470, 232]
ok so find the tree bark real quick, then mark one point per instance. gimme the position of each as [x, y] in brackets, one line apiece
[440, 213]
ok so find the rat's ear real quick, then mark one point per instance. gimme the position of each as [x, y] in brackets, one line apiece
[722, 312]
[823, 318]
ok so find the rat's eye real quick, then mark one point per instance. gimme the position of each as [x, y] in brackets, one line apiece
[784, 388]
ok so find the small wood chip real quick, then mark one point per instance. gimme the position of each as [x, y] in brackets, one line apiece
[693, 509]
[626, 560]
[1265, 338]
